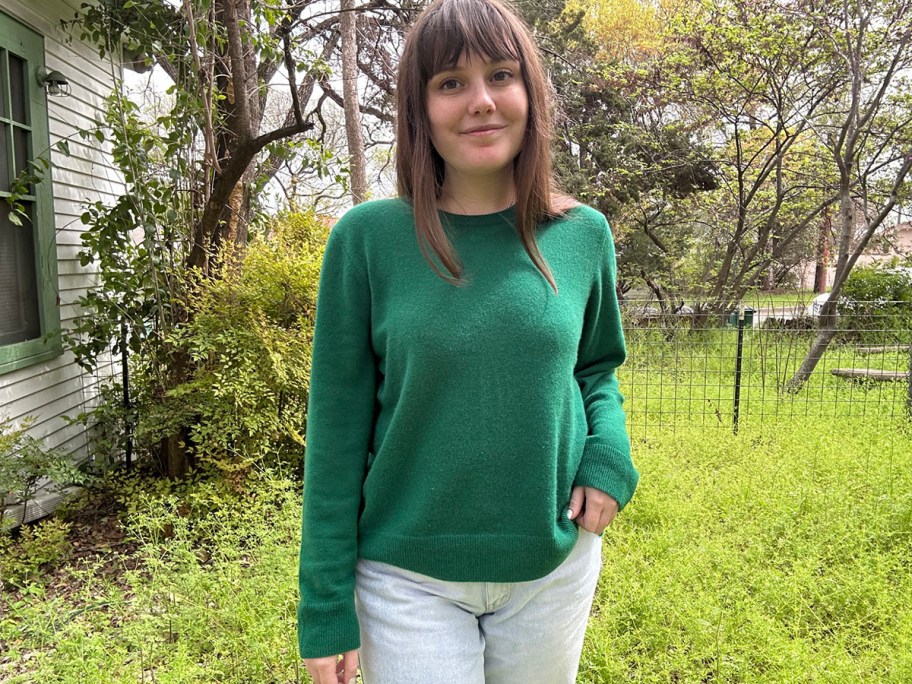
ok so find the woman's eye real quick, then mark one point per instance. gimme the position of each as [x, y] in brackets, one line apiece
[449, 84]
[502, 75]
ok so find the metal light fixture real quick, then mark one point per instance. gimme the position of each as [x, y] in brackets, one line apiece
[55, 82]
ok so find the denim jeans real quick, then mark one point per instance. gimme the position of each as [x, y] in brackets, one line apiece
[419, 630]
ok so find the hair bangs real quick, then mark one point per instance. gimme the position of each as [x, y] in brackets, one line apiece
[464, 28]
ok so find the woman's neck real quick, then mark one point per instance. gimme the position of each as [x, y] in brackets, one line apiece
[474, 196]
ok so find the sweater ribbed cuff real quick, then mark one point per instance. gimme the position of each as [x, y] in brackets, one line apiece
[328, 629]
[609, 470]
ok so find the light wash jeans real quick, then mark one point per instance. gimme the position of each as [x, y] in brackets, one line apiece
[419, 630]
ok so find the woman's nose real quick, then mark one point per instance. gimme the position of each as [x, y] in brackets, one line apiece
[481, 102]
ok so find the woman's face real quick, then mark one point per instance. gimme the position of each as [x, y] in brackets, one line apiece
[477, 113]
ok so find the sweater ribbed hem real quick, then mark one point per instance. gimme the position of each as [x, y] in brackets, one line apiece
[609, 470]
[474, 557]
[328, 629]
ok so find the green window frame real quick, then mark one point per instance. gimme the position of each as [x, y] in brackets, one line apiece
[30, 319]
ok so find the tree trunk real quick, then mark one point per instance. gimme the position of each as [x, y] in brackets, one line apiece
[818, 348]
[352, 108]
[173, 460]
[823, 254]
[657, 290]
[174, 456]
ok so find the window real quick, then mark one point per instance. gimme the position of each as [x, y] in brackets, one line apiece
[28, 255]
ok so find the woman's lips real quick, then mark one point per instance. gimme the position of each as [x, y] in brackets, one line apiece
[482, 131]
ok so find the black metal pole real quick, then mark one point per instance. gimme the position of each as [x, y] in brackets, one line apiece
[738, 369]
[128, 422]
[909, 386]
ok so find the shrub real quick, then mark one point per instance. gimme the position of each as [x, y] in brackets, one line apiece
[40, 545]
[876, 304]
[25, 462]
[249, 339]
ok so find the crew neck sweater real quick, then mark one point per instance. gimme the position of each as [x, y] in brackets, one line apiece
[447, 424]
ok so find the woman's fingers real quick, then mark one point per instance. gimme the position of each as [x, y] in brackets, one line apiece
[323, 670]
[333, 669]
[348, 667]
[599, 510]
[576, 502]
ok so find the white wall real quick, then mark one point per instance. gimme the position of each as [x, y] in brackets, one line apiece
[48, 391]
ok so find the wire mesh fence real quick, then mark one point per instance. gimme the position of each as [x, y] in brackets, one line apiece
[727, 370]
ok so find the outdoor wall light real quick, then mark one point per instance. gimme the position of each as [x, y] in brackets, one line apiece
[55, 82]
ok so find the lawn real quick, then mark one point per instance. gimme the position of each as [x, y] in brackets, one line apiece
[788, 298]
[781, 554]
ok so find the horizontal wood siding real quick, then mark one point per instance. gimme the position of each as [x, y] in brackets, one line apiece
[48, 391]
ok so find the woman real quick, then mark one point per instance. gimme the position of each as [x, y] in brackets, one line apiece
[466, 443]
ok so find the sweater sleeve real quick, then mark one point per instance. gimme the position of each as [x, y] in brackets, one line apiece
[339, 426]
[606, 463]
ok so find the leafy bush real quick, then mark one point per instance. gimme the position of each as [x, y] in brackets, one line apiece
[207, 513]
[249, 339]
[44, 543]
[107, 423]
[25, 462]
[212, 597]
[876, 304]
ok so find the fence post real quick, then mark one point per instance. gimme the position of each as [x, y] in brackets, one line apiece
[909, 385]
[125, 376]
[738, 358]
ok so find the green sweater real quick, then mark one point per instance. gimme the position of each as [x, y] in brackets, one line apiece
[447, 425]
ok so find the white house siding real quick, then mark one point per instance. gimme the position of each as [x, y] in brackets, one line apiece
[46, 392]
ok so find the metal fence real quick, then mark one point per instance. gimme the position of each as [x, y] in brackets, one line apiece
[728, 370]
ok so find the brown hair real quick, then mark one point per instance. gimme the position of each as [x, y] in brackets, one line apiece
[444, 32]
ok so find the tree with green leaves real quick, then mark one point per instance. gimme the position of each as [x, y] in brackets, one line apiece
[610, 151]
[866, 128]
[741, 79]
[193, 175]
[802, 107]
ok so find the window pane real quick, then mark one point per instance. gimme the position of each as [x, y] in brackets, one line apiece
[4, 157]
[21, 139]
[4, 110]
[18, 284]
[18, 91]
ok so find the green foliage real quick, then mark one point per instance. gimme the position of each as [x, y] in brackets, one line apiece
[213, 513]
[879, 284]
[875, 304]
[138, 279]
[213, 601]
[777, 555]
[249, 338]
[25, 462]
[37, 547]
[193, 171]
[716, 151]
[231, 382]
[108, 423]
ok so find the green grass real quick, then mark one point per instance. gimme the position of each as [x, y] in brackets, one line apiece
[214, 602]
[778, 555]
[769, 299]
[781, 554]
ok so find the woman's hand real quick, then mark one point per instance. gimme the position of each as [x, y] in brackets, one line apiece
[598, 508]
[331, 670]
